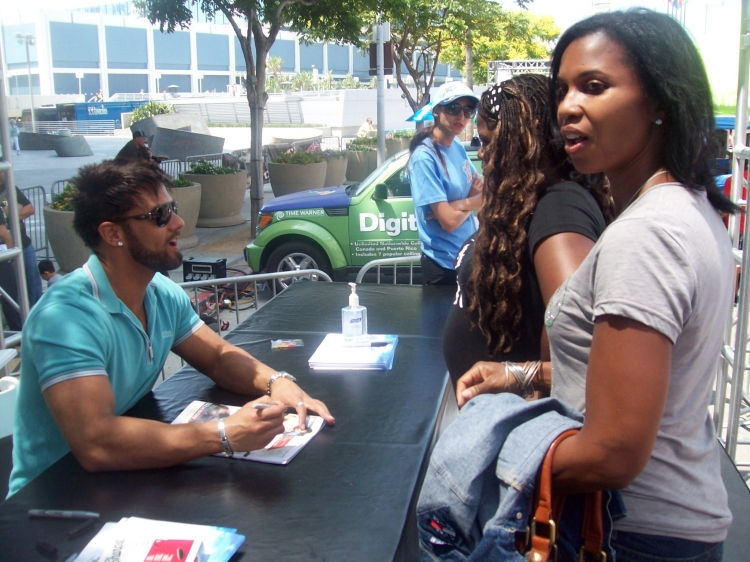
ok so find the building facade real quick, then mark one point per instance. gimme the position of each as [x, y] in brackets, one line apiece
[111, 49]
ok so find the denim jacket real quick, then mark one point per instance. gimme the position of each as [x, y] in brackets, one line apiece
[478, 488]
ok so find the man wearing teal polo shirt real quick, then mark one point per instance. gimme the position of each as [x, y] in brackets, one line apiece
[95, 344]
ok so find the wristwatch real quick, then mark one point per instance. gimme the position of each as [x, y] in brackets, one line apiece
[280, 374]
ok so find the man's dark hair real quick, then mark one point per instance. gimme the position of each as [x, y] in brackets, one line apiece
[672, 75]
[109, 190]
[45, 266]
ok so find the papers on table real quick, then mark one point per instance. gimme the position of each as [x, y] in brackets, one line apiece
[373, 352]
[133, 539]
[282, 448]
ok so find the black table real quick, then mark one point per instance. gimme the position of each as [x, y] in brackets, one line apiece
[349, 495]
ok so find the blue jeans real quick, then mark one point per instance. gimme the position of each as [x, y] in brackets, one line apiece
[636, 547]
[33, 280]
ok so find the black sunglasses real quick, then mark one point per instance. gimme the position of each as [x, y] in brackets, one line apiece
[160, 214]
[455, 108]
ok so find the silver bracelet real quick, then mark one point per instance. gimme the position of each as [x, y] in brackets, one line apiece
[280, 374]
[224, 441]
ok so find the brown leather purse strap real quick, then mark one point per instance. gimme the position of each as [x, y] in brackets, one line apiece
[549, 508]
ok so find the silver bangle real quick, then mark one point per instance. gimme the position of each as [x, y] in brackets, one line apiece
[224, 441]
[280, 374]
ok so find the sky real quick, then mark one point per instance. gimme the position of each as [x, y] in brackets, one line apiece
[714, 25]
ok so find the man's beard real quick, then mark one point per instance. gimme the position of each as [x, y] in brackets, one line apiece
[157, 261]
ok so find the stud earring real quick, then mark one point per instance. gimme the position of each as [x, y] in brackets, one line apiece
[119, 243]
[658, 122]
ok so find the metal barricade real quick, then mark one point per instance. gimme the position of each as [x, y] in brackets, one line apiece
[330, 143]
[57, 187]
[732, 389]
[35, 223]
[390, 262]
[212, 158]
[173, 168]
[235, 282]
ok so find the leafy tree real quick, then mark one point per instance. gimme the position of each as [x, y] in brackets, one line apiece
[512, 35]
[422, 29]
[256, 24]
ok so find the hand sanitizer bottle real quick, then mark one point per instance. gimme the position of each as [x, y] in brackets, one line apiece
[354, 318]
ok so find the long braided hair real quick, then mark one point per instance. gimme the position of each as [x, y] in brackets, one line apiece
[524, 146]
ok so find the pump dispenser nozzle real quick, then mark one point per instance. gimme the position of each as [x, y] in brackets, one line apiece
[354, 318]
[353, 298]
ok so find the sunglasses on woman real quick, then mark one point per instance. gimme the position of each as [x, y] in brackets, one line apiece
[160, 214]
[455, 108]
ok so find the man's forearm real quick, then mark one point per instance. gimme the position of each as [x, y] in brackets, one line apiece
[125, 443]
[240, 372]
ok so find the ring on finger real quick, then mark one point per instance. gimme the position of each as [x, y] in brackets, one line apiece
[300, 403]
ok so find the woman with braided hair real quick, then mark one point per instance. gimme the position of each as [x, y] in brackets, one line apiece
[536, 226]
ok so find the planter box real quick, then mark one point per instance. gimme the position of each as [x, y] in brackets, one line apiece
[188, 203]
[67, 146]
[293, 178]
[394, 146]
[335, 172]
[222, 196]
[361, 164]
[67, 247]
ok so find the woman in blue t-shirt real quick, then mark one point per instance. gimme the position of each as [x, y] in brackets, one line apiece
[444, 185]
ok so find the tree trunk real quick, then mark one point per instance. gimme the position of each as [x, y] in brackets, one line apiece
[469, 48]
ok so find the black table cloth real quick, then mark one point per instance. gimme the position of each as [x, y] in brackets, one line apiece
[348, 495]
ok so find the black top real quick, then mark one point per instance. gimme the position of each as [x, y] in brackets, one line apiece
[564, 207]
[23, 201]
[132, 151]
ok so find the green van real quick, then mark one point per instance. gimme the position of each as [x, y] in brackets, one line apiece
[339, 229]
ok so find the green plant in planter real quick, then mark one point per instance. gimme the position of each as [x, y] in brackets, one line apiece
[360, 148]
[151, 108]
[63, 201]
[363, 141]
[298, 158]
[181, 182]
[331, 154]
[404, 134]
[207, 169]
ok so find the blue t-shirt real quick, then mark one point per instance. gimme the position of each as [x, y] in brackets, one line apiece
[430, 184]
[79, 328]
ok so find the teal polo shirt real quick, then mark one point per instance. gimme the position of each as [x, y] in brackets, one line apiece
[79, 328]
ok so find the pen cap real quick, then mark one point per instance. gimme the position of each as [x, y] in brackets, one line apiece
[353, 298]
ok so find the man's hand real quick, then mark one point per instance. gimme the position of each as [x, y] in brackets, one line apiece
[288, 393]
[250, 429]
[483, 378]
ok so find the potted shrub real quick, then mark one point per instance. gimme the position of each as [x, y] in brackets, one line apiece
[362, 158]
[222, 194]
[291, 172]
[335, 167]
[68, 248]
[187, 194]
[403, 137]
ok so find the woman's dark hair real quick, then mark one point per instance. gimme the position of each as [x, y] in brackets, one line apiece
[109, 191]
[673, 76]
[523, 147]
[420, 136]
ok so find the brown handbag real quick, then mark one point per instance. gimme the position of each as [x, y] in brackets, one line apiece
[548, 506]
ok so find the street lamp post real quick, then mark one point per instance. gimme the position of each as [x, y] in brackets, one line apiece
[79, 75]
[29, 40]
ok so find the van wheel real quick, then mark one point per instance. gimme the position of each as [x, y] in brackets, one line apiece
[295, 256]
